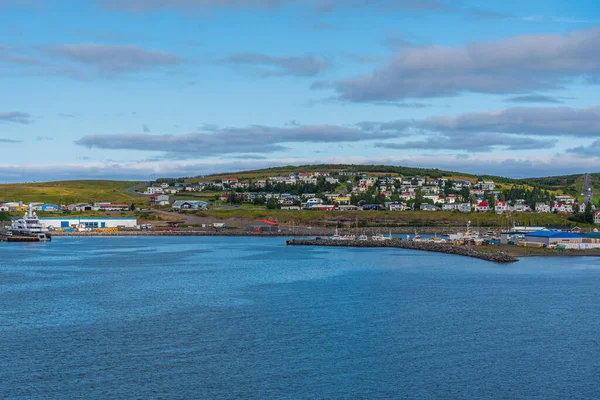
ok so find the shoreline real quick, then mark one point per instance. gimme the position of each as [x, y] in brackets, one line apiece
[512, 251]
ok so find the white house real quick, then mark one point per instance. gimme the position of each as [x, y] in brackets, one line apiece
[314, 202]
[597, 217]
[501, 207]
[543, 208]
[562, 208]
[154, 190]
[483, 206]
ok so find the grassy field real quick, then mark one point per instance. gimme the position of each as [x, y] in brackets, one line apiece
[389, 218]
[67, 192]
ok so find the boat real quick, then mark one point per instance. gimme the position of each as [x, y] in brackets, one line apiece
[337, 236]
[28, 228]
[380, 237]
[363, 237]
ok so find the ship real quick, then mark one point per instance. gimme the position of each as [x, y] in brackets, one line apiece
[28, 228]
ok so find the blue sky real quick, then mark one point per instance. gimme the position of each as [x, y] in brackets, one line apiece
[142, 89]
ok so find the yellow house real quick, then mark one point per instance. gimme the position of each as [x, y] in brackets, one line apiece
[342, 200]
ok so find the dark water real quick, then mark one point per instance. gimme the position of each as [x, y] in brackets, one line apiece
[227, 318]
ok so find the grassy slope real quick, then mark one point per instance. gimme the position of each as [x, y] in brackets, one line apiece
[414, 218]
[569, 184]
[376, 170]
[66, 192]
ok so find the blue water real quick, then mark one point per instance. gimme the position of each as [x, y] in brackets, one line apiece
[249, 318]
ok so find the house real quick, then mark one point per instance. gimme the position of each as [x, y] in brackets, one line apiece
[597, 217]
[520, 208]
[373, 207]
[465, 207]
[450, 207]
[332, 180]
[501, 207]
[342, 200]
[483, 206]
[461, 184]
[189, 205]
[562, 208]
[542, 208]
[159, 200]
[154, 190]
[314, 202]
[395, 206]
[451, 199]
[229, 181]
[428, 207]
[564, 199]
[486, 185]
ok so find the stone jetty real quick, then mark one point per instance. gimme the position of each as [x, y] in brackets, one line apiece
[467, 251]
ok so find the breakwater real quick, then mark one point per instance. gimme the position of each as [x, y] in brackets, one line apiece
[466, 251]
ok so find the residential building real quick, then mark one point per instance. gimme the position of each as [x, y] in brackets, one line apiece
[543, 208]
[189, 205]
[159, 200]
[501, 207]
[483, 206]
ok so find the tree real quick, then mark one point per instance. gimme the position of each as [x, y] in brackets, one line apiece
[588, 214]
[272, 203]
[132, 207]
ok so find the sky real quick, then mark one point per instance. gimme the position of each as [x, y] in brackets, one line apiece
[142, 89]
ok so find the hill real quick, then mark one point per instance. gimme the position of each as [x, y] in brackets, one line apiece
[67, 192]
[370, 169]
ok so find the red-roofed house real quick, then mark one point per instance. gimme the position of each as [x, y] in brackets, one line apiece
[501, 206]
[484, 206]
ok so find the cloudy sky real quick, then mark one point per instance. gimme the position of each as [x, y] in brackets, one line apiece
[141, 89]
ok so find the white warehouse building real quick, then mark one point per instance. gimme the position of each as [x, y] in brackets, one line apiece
[88, 223]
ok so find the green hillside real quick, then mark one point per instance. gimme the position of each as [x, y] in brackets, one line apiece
[67, 192]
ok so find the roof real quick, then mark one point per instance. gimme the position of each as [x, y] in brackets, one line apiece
[553, 234]
[264, 221]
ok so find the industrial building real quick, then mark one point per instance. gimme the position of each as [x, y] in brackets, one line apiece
[88, 223]
[263, 226]
[546, 238]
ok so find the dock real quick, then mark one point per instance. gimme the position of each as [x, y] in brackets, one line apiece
[466, 251]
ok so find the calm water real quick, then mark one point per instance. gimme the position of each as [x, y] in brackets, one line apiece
[213, 318]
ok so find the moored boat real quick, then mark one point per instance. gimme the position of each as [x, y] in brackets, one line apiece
[28, 228]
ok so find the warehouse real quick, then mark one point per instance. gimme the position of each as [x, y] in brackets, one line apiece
[263, 226]
[546, 238]
[88, 223]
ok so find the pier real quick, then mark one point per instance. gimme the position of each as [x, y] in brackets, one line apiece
[466, 251]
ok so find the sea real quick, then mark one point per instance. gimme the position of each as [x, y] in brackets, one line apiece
[250, 318]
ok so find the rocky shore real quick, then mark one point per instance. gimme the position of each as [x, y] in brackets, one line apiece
[467, 251]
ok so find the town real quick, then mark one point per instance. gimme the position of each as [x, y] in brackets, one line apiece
[342, 190]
